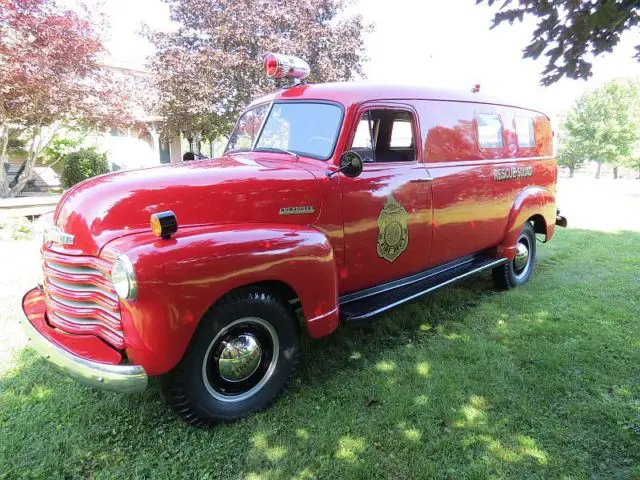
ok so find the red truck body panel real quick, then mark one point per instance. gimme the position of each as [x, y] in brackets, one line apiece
[232, 231]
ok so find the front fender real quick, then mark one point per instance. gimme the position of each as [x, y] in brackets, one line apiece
[180, 278]
[530, 202]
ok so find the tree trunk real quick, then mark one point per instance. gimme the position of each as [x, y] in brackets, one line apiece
[26, 172]
[571, 170]
[615, 173]
[4, 160]
[598, 171]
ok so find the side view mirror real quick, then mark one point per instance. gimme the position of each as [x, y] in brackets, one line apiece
[351, 164]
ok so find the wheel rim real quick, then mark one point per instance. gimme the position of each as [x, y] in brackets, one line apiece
[241, 359]
[522, 259]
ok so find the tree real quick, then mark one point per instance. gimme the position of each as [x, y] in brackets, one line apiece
[49, 77]
[570, 32]
[604, 125]
[570, 155]
[211, 66]
[633, 161]
[59, 147]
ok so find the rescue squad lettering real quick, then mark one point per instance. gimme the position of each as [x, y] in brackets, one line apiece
[500, 174]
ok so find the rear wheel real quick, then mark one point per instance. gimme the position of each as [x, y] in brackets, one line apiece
[519, 270]
[240, 359]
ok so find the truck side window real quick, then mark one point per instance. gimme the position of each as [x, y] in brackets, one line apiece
[525, 132]
[362, 140]
[401, 134]
[489, 130]
[384, 136]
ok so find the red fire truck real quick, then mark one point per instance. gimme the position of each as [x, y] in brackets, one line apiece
[332, 204]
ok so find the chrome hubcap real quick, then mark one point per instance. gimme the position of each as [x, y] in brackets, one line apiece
[522, 257]
[240, 357]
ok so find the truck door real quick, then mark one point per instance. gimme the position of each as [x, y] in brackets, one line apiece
[387, 209]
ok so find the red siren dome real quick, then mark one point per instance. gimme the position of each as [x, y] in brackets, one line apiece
[270, 65]
[278, 66]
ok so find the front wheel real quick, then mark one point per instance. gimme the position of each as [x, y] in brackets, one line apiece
[519, 270]
[240, 359]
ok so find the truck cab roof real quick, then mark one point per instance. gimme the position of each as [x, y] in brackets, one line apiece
[351, 93]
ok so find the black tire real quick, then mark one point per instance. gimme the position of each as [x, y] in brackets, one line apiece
[197, 388]
[513, 273]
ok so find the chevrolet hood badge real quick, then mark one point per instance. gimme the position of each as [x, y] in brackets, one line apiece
[56, 235]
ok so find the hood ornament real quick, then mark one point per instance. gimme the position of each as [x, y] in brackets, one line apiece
[56, 235]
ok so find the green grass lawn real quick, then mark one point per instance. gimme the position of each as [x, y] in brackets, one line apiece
[539, 382]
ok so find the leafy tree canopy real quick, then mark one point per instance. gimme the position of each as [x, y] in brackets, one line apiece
[210, 68]
[50, 76]
[571, 32]
[603, 125]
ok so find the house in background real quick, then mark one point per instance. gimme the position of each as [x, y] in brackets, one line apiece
[143, 145]
[129, 148]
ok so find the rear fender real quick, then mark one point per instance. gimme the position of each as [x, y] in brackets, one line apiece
[180, 278]
[530, 202]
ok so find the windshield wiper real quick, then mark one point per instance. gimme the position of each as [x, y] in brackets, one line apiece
[277, 149]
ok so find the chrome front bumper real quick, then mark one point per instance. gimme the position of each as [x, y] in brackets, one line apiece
[118, 378]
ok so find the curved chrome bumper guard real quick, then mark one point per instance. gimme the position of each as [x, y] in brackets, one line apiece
[118, 378]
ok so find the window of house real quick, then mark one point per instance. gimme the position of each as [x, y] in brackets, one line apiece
[385, 136]
[525, 132]
[489, 130]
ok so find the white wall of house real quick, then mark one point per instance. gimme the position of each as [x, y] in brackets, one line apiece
[128, 148]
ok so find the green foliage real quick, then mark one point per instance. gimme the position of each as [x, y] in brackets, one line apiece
[603, 125]
[58, 148]
[22, 229]
[569, 32]
[82, 164]
[211, 67]
[16, 143]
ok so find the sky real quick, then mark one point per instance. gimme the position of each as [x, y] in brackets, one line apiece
[439, 43]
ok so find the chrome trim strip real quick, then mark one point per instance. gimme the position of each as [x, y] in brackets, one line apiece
[82, 287]
[79, 269]
[117, 378]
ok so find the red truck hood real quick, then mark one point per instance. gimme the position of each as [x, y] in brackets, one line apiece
[231, 189]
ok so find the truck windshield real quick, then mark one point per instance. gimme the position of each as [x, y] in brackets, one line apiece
[303, 128]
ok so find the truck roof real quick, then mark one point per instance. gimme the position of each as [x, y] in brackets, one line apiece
[349, 93]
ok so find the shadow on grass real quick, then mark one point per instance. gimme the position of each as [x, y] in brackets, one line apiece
[467, 383]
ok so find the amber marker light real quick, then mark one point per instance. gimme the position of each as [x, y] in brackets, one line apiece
[164, 224]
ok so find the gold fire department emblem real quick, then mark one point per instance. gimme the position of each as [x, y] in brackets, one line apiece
[393, 230]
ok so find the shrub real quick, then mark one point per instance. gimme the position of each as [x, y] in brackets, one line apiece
[22, 229]
[82, 164]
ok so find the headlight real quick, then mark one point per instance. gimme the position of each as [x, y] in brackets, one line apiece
[124, 278]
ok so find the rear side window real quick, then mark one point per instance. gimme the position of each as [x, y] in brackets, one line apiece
[401, 133]
[525, 132]
[489, 130]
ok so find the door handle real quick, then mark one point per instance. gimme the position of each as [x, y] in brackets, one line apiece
[421, 180]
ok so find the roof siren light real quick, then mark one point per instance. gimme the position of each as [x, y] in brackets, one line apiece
[476, 88]
[279, 67]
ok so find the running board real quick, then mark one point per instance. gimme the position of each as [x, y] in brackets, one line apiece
[365, 304]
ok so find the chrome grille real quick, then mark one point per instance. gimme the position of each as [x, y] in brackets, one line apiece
[81, 298]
